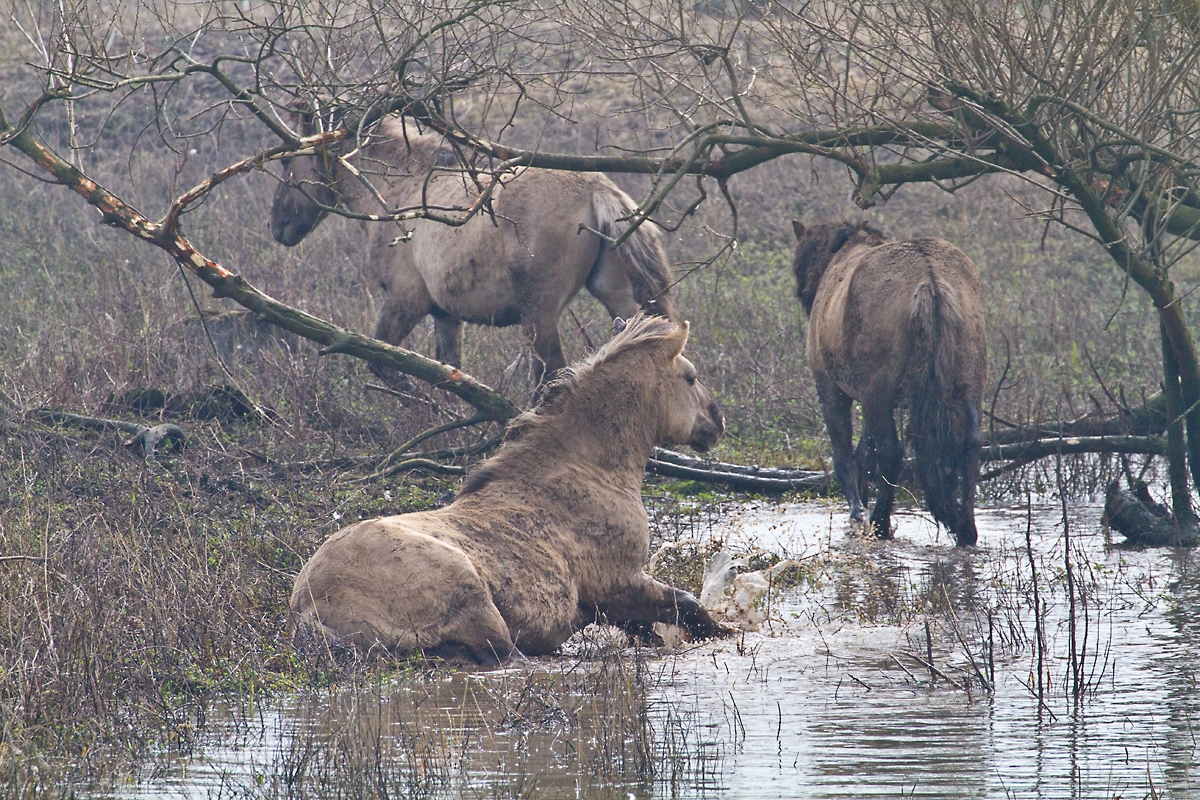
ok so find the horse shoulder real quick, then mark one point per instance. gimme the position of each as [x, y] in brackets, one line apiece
[826, 337]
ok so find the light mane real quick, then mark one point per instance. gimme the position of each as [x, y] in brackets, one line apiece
[641, 331]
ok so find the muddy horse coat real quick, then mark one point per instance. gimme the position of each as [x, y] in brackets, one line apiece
[897, 325]
[519, 260]
[545, 537]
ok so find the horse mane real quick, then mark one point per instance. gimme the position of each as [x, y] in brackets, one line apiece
[394, 137]
[816, 248]
[640, 331]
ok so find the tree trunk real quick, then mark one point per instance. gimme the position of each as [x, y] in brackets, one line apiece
[1181, 504]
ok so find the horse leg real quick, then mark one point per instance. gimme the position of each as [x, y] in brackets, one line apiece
[403, 308]
[547, 346]
[646, 600]
[966, 535]
[448, 333]
[879, 426]
[835, 408]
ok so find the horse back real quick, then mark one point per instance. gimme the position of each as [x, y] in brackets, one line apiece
[506, 257]
[881, 310]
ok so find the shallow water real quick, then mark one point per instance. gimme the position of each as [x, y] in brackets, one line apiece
[827, 699]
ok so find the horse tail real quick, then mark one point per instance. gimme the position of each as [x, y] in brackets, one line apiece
[642, 256]
[944, 424]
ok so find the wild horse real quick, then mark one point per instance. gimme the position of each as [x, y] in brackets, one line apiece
[896, 325]
[545, 537]
[540, 237]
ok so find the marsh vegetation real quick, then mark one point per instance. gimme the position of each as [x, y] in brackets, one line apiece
[143, 634]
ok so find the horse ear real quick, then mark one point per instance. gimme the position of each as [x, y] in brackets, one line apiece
[798, 229]
[840, 238]
[676, 341]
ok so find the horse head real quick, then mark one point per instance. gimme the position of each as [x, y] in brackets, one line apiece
[306, 189]
[690, 414]
[816, 246]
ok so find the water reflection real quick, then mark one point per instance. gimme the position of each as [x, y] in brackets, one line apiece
[871, 680]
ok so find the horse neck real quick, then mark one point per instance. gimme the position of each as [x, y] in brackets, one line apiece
[593, 432]
[816, 272]
[390, 172]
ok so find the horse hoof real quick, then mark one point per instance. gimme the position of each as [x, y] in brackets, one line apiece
[715, 631]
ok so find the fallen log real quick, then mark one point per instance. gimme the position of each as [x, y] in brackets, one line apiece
[764, 480]
[1148, 419]
[1142, 521]
[1072, 445]
[768, 480]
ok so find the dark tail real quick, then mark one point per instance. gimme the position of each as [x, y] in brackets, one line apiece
[944, 423]
[641, 255]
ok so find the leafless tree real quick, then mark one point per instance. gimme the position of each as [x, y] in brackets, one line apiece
[1094, 103]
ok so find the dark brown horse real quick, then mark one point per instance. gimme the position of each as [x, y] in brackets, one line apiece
[897, 325]
[520, 261]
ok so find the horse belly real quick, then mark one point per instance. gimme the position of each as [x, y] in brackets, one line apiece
[467, 277]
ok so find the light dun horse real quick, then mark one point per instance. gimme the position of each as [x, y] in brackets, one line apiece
[897, 325]
[548, 535]
[519, 261]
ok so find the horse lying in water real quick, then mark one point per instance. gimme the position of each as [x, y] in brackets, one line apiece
[519, 260]
[897, 325]
[545, 537]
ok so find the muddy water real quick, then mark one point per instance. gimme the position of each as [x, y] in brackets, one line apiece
[833, 696]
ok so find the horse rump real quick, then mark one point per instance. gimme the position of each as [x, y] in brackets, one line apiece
[641, 256]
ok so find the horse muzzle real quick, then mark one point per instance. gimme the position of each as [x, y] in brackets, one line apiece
[709, 427]
[293, 216]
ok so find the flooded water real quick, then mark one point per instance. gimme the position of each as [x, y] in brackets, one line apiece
[904, 668]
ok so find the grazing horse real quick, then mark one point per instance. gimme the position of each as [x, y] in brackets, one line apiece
[548, 535]
[897, 325]
[519, 259]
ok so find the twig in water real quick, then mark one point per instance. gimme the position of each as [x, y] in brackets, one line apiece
[900, 664]
[1039, 635]
[737, 715]
[934, 670]
[929, 650]
[856, 680]
[1076, 674]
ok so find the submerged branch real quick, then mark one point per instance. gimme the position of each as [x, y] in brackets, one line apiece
[1142, 521]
